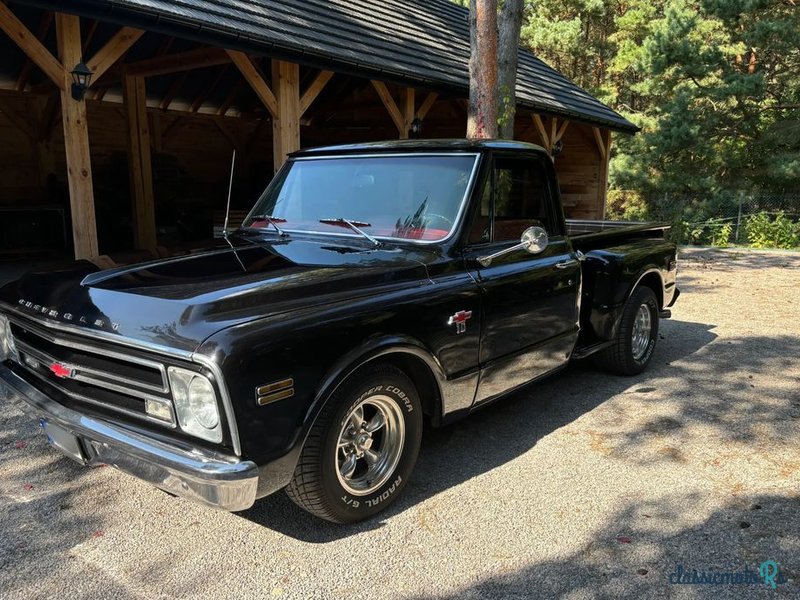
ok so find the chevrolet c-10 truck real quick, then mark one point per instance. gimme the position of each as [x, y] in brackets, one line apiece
[371, 288]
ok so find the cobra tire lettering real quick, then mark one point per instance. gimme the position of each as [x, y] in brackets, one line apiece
[402, 396]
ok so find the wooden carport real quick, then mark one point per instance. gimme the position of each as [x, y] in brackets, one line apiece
[264, 100]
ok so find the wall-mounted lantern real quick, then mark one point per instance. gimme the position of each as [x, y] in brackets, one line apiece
[81, 79]
[416, 128]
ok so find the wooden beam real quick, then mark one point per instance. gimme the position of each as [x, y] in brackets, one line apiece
[389, 103]
[537, 120]
[427, 104]
[140, 162]
[553, 130]
[561, 131]
[319, 83]
[409, 109]
[253, 76]
[601, 147]
[178, 63]
[76, 142]
[41, 34]
[201, 97]
[113, 50]
[231, 98]
[173, 90]
[32, 47]
[286, 121]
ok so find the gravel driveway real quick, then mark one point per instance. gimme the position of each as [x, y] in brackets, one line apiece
[584, 486]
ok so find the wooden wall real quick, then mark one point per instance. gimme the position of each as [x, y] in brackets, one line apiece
[22, 171]
[579, 168]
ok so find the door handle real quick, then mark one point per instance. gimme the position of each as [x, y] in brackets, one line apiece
[566, 264]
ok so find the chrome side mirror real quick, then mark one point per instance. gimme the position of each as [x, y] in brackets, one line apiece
[534, 240]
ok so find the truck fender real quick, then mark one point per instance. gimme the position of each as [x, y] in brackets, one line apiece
[648, 277]
[373, 349]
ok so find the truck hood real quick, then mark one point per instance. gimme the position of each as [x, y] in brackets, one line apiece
[179, 302]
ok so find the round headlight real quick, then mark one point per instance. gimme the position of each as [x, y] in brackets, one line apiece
[203, 403]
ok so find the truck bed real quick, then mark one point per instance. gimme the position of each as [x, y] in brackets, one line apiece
[586, 235]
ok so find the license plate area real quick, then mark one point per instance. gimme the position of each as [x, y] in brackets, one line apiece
[62, 440]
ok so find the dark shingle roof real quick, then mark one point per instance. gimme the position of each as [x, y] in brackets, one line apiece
[419, 41]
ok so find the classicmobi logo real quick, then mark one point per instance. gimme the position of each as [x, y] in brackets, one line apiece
[768, 573]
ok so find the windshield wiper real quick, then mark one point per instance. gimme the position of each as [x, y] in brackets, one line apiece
[272, 221]
[355, 226]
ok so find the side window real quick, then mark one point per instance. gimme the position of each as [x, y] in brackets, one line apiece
[521, 196]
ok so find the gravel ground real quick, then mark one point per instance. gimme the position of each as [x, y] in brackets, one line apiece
[584, 486]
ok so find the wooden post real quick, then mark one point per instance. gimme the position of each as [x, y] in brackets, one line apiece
[76, 141]
[286, 127]
[140, 164]
[409, 108]
[605, 174]
[603, 140]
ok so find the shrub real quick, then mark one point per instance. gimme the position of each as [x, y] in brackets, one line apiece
[764, 231]
[624, 205]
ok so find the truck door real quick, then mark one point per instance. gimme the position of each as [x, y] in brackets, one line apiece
[530, 303]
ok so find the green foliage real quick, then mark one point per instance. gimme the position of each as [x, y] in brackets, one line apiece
[764, 231]
[715, 232]
[623, 205]
[714, 86]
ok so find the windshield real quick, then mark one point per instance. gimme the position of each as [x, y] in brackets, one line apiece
[409, 197]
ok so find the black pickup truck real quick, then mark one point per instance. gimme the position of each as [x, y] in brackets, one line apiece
[371, 288]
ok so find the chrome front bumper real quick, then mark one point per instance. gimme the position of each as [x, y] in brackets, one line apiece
[212, 479]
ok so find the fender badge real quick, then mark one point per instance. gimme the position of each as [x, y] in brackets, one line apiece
[460, 320]
[62, 371]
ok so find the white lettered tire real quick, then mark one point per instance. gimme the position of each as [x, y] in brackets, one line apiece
[362, 448]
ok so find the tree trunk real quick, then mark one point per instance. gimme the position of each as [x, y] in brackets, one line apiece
[509, 27]
[482, 111]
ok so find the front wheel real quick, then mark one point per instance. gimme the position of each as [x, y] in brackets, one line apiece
[362, 447]
[636, 337]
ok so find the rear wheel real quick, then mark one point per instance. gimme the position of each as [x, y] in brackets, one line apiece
[636, 338]
[362, 447]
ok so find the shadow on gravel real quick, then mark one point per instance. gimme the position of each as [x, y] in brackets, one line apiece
[494, 435]
[635, 554]
[37, 524]
[732, 259]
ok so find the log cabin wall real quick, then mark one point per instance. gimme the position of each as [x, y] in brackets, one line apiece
[580, 174]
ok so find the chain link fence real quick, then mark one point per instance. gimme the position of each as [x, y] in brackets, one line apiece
[763, 220]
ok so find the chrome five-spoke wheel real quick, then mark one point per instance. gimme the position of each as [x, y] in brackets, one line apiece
[640, 336]
[370, 445]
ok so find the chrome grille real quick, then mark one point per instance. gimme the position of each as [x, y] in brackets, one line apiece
[92, 374]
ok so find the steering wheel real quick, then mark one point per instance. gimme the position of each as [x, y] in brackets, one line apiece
[448, 222]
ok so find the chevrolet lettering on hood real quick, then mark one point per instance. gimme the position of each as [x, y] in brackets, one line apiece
[68, 317]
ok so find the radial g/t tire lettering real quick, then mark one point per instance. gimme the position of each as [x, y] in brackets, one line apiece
[362, 448]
